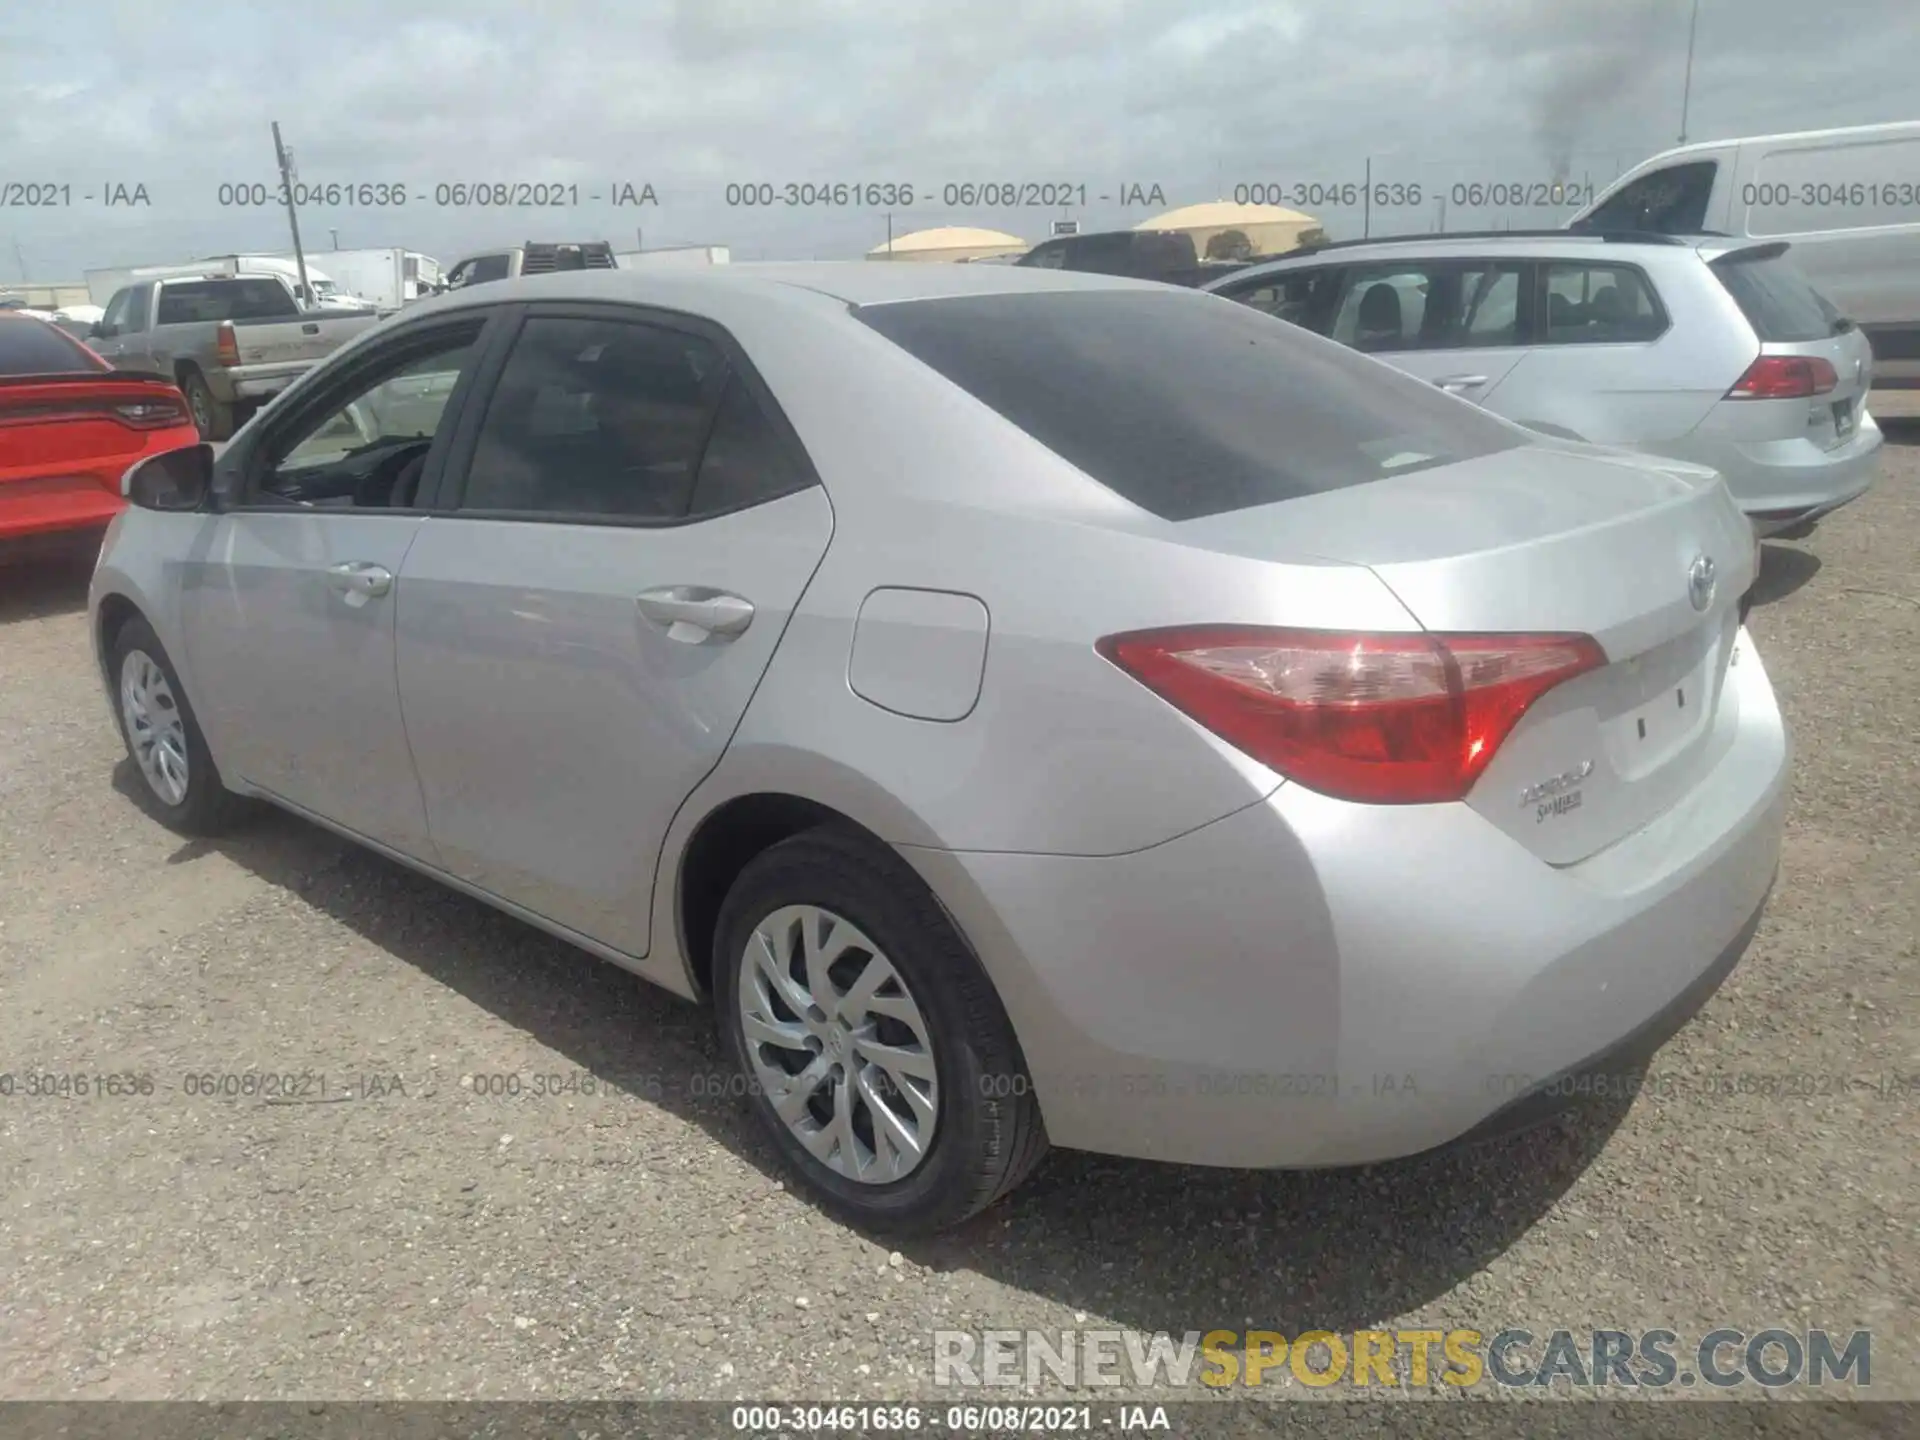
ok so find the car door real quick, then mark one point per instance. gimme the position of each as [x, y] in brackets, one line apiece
[1456, 323]
[124, 343]
[289, 605]
[633, 524]
[1602, 367]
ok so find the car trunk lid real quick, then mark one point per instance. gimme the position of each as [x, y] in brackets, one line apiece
[1647, 558]
[50, 422]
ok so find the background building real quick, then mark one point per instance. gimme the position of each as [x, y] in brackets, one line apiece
[1222, 230]
[950, 242]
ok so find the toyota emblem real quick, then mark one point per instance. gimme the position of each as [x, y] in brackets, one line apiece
[1701, 582]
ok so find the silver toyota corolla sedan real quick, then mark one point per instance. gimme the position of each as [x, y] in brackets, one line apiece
[1030, 707]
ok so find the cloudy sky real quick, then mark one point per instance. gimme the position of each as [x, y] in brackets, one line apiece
[1195, 96]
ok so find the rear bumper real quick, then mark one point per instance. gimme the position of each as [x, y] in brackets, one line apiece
[258, 382]
[1780, 483]
[1310, 982]
[51, 504]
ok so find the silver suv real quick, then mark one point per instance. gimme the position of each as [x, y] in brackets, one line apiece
[1715, 351]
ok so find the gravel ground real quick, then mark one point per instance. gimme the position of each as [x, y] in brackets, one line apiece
[416, 1237]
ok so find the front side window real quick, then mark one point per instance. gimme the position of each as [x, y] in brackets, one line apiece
[1383, 308]
[139, 303]
[1430, 305]
[597, 418]
[367, 450]
[1669, 201]
[1599, 305]
[1292, 295]
[114, 318]
[1185, 407]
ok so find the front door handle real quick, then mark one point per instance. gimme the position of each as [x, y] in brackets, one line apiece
[359, 580]
[1454, 384]
[693, 613]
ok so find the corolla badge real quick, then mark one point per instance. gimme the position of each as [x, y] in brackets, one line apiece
[1556, 784]
[1701, 582]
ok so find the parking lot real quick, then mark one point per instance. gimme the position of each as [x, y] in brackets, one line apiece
[415, 1228]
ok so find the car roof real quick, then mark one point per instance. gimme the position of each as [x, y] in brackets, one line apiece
[1548, 243]
[848, 282]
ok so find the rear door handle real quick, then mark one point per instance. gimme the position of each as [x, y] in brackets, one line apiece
[359, 580]
[1453, 384]
[693, 613]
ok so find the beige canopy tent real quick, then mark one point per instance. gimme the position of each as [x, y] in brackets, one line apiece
[1269, 229]
[950, 242]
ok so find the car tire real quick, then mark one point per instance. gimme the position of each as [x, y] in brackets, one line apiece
[202, 805]
[985, 1134]
[213, 420]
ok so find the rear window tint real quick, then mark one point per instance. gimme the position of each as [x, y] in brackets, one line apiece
[1776, 298]
[187, 301]
[1185, 404]
[33, 347]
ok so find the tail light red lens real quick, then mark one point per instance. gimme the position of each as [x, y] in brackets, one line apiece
[226, 345]
[1385, 719]
[150, 414]
[1785, 377]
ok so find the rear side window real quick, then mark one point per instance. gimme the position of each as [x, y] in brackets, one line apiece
[187, 301]
[596, 418]
[1599, 305]
[747, 459]
[33, 347]
[1669, 201]
[1185, 407]
[1776, 298]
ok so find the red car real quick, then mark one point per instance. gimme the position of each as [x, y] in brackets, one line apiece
[70, 425]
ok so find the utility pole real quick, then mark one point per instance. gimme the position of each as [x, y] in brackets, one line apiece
[1366, 223]
[333, 236]
[1686, 89]
[21, 260]
[889, 234]
[293, 213]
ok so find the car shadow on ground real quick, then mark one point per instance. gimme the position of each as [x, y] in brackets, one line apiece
[40, 588]
[1900, 429]
[1783, 570]
[1150, 1246]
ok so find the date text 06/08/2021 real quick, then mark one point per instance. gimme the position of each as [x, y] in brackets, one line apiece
[989, 194]
[445, 194]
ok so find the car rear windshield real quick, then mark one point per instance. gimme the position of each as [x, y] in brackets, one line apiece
[33, 347]
[186, 301]
[1776, 298]
[1187, 405]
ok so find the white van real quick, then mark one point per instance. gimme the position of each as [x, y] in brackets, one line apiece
[1848, 201]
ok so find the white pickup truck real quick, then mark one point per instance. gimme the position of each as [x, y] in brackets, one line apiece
[229, 342]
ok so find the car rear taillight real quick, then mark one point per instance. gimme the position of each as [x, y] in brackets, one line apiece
[1385, 719]
[226, 345]
[150, 414]
[1785, 377]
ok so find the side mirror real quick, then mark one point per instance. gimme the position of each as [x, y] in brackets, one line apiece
[99, 330]
[172, 480]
